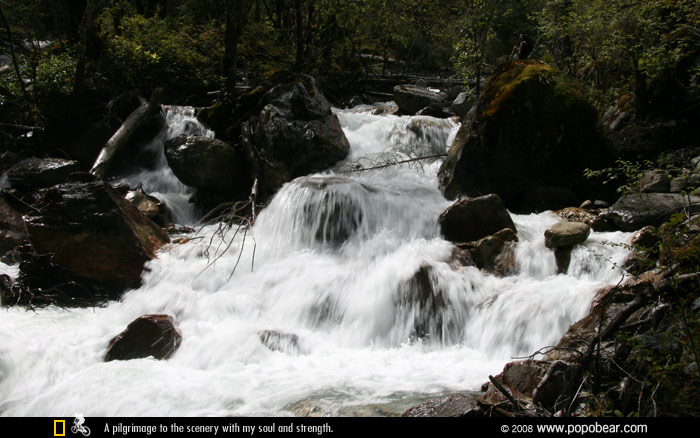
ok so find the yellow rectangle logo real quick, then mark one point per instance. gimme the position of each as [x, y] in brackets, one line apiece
[56, 431]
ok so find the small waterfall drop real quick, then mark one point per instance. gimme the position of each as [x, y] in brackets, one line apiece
[159, 180]
[342, 297]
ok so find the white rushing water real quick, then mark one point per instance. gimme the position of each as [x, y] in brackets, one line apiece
[328, 266]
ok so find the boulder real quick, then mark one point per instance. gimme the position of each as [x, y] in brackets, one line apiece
[411, 98]
[94, 233]
[453, 405]
[528, 139]
[41, 172]
[685, 183]
[435, 110]
[280, 341]
[208, 163]
[12, 229]
[424, 308]
[148, 205]
[634, 211]
[148, 335]
[294, 134]
[564, 234]
[653, 181]
[462, 104]
[471, 219]
[647, 237]
[496, 253]
[573, 214]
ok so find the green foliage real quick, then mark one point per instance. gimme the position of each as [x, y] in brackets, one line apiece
[55, 75]
[615, 44]
[144, 52]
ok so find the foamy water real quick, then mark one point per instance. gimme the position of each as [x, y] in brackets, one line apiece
[331, 261]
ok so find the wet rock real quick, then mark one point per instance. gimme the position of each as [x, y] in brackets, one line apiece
[279, 341]
[559, 380]
[529, 134]
[684, 183]
[586, 205]
[453, 405]
[561, 237]
[653, 181]
[148, 335]
[564, 234]
[471, 219]
[634, 211]
[507, 235]
[462, 256]
[12, 229]
[41, 172]
[647, 237]
[94, 233]
[462, 104]
[295, 134]
[208, 163]
[411, 98]
[150, 206]
[435, 110]
[333, 213]
[562, 256]
[424, 308]
[573, 214]
[496, 254]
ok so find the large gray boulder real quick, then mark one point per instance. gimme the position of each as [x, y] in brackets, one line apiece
[468, 220]
[411, 98]
[528, 139]
[634, 211]
[295, 134]
[207, 163]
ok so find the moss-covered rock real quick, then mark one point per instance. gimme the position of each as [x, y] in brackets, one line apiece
[531, 133]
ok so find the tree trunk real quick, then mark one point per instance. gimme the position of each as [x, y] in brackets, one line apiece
[140, 117]
[236, 19]
[12, 54]
[299, 33]
[85, 27]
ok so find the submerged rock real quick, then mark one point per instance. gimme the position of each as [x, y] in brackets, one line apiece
[528, 139]
[471, 219]
[279, 341]
[423, 307]
[148, 335]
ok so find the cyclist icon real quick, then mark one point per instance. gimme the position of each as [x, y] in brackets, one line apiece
[78, 426]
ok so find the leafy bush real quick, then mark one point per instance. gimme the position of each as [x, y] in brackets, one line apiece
[143, 51]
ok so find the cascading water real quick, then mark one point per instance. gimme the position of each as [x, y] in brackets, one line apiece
[342, 302]
[159, 179]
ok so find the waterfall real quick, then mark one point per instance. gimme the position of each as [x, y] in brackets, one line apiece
[159, 180]
[343, 301]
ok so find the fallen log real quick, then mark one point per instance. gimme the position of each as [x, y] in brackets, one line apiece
[143, 116]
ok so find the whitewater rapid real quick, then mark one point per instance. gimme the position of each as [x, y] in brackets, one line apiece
[328, 266]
